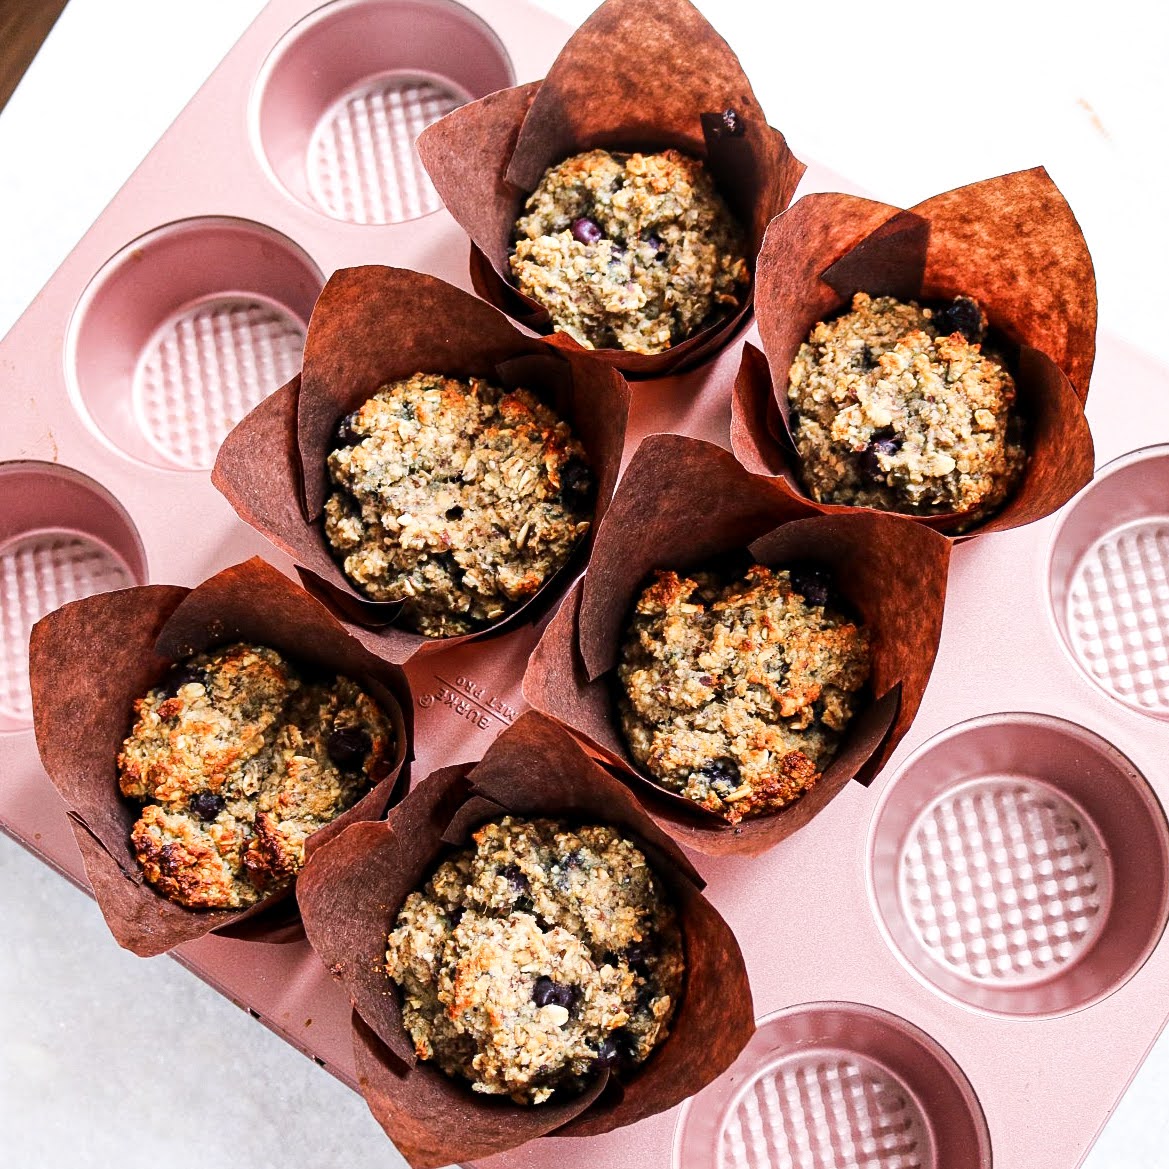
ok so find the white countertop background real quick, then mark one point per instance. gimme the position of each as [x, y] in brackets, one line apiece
[107, 1059]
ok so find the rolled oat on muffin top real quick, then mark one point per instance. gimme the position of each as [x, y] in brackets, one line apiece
[734, 693]
[629, 251]
[536, 957]
[456, 498]
[238, 757]
[895, 406]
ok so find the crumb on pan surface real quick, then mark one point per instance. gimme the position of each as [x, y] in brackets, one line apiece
[456, 498]
[537, 956]
[734, 693]
[238, 757]
[896, 406]
[629, 251]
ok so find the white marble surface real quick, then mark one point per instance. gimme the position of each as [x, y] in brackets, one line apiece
[137, 1063]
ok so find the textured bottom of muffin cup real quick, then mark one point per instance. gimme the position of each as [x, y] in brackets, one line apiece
[62, 537]
[836, 1086]
[362, 166]
[1004, 882]
[1018, 864]
[1109, 580]
[206, 367]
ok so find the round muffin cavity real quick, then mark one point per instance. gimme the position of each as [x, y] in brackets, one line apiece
[238, 758]
[734, 693]
[536, 957]
[895, 406]
[455, 498]
[629, 251]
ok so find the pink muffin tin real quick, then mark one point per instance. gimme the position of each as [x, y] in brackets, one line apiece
[960, 965]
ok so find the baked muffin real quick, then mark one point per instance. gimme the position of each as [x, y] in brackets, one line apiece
[455, 498]
[536, 957]
[238, 758]
[629, 251]
[734, 693]
[895, 406]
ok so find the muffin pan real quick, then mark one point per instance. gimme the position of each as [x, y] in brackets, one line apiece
[961, 964]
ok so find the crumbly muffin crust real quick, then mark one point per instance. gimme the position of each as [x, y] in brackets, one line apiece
[238, 757]
[895, 406]
[536, 956]
[456, 498]
[734, 694]
[629, 251]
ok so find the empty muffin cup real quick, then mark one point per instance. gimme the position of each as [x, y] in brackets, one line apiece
[1108, 576]
[836, 1086]
[62, 537]
[1019, 864]
[185, 330]
[342, 97]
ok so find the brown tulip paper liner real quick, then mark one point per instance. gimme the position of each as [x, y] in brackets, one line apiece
[686, 504]
[352, 889]
[373, 325]
[90, 660]
[634, 76]
[1011, 243]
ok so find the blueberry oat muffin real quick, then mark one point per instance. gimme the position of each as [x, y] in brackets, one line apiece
[456, 498]
[895, 406]
[238, 758]
[734, 694]
[536, 957]
[629, 251]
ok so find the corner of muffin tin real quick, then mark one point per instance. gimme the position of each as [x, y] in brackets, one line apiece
[187, 302]
[181, 308]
